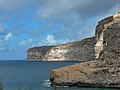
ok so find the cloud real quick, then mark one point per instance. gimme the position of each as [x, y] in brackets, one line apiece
[5, 39]
[28, 43]
[5, 43]
[10, 5]
[4, 34]
[57, 8]
[51, 40]
[54, 8]
[8, 36]
[94, 7]
[74, 16]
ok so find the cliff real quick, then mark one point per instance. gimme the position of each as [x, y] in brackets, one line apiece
[74, 51]
[102, 72]
[37, 53]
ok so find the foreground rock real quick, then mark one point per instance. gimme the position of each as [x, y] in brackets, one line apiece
[75, 51]
[92, 73]
[103, 72]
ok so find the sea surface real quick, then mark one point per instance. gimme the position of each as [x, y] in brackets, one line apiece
[22, 75]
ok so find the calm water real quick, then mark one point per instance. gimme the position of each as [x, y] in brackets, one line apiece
[22, 75]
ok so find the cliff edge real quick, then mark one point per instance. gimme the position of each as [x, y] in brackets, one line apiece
[74, 51]
[102, 72]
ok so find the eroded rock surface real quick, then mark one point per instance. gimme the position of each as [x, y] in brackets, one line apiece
[103, 72]
[75, 51]
[37, 53]
[99, 34]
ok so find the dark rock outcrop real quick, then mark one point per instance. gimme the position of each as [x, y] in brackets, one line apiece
[74, 51]
[103, 72]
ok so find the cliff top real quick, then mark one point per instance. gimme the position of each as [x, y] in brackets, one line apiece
[76, 43]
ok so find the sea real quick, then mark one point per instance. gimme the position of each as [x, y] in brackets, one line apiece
[23, 75]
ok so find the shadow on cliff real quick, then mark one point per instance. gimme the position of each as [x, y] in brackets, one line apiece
[38, 53]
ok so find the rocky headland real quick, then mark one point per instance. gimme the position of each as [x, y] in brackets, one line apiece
[104, 69]
[74, 51]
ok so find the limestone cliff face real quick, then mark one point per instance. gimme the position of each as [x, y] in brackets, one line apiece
[37, 53]
[99, 34]
[75, 51]
[103, 72]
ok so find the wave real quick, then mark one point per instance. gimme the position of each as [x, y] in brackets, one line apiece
[47, 83]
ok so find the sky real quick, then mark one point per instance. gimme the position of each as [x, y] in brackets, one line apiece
[29, 23]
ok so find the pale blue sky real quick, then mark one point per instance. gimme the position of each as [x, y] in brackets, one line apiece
[29, 23]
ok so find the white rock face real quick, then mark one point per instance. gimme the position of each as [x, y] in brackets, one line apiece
[100, 29]
[100, 33]
[99, 46]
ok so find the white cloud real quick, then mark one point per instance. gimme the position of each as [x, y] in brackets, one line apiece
[8, 36]
[28, 43]
[5, 43]
[51, 40]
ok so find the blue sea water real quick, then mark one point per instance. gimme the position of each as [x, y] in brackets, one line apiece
[22, 75]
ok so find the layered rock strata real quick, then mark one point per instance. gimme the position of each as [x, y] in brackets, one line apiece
[37, 53]
[75, 51]
[103, 72]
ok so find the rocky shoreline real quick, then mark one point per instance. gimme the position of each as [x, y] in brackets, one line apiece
[104, 70]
